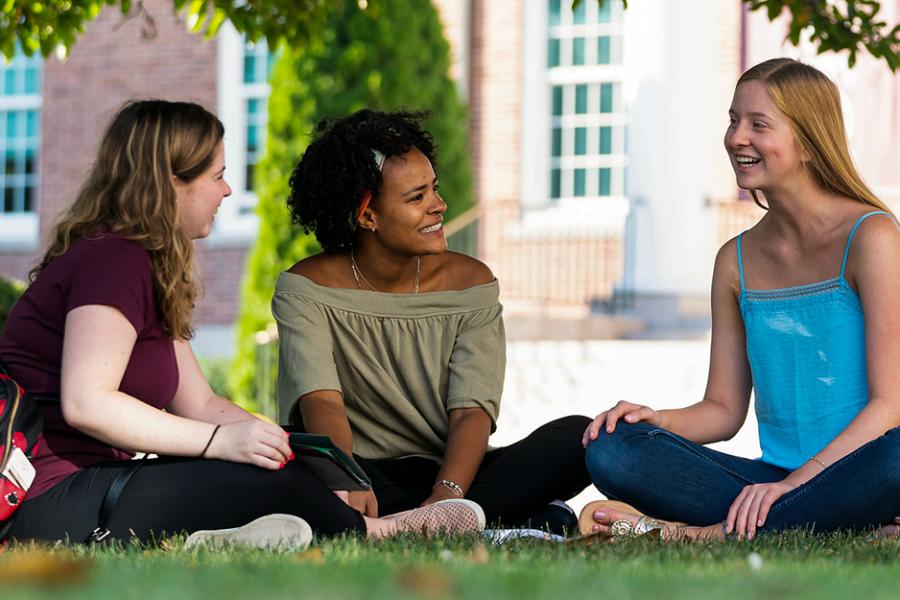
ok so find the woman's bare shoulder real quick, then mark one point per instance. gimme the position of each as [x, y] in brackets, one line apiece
[323, 269]
[465, 272]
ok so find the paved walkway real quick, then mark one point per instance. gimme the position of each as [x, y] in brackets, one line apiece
[550, 379]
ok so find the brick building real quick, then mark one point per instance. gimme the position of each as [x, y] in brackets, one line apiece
[595, 137]
[55, 112]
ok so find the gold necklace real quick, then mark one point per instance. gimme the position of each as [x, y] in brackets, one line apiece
[357, 274]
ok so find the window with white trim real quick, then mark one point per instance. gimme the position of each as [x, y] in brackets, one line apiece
[257, 68]
[243, 98]
[587, 120]
[20, 139]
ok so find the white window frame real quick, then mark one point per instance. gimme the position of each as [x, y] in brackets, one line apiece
[234, 226]
[21, 231]
[537, 120]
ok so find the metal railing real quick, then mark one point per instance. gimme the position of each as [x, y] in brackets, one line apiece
[462, 232]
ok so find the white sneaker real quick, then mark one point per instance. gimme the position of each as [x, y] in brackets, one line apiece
[269, 532]
[445, 516]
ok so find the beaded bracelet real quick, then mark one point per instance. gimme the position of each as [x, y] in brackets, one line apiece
[457, 489]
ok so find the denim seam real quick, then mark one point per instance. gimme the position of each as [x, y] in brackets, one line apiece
[688, 446]
[825, 475]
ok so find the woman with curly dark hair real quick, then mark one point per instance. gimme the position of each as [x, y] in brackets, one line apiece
[394, 346]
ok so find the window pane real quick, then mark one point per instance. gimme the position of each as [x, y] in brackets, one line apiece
[555, 6]
[18, 125]
[8, 195]
[606, 97]
[603, 50]
[31, 81]
[29, 162]
[249, 68]
[581, 141]
[578, 51]
[252, 139]
[28, 204]
[605, 11]
[556, 142]
[553, 53]
[579, 182]
[9, 81]
[32, 128]
[605, 176]
[554, 183]
[557, 100]
[581, 99]
[578, 17]
[606, 140]
[250, 177]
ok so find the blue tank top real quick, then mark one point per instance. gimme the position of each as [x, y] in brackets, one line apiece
[806, 346]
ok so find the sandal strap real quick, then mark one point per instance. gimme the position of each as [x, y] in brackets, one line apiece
[645, 525]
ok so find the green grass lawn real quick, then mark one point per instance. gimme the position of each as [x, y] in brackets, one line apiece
[792, 565]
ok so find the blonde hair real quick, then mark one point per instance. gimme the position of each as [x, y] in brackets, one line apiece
[130, 191]
[812, 105]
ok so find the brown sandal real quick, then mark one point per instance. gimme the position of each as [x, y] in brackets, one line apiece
[586, 518]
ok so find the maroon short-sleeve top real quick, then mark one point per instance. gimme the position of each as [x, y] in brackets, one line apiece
[107, 270]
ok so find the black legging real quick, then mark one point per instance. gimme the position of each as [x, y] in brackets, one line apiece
[513, 482]
[171, 495]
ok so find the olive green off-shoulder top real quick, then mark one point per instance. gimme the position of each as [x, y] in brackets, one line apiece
[401, 361]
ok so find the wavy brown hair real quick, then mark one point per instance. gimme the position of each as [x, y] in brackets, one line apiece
[130, 191]
[812, 104]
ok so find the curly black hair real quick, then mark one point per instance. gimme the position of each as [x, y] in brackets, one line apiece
[338, 167]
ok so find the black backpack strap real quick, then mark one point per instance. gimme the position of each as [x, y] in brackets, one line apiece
[101, 532]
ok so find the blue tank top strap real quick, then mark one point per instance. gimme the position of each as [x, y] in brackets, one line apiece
[740, 260]
[852, 233]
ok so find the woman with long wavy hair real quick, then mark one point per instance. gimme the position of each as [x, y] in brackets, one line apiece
[804, 314]
[104, 328]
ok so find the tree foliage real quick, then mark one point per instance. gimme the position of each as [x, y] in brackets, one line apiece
[10, 290]
[44, 25]
[853, 25]
[391, 55]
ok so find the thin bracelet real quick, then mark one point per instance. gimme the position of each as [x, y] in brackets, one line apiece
[457, 489]
[208, 443]
[814, 459]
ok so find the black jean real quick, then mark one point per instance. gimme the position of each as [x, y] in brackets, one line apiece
[512, 484]
[171, 495]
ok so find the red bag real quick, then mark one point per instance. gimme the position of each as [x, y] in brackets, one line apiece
[20, 437]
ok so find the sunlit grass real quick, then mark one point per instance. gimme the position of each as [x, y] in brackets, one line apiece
[786, 565]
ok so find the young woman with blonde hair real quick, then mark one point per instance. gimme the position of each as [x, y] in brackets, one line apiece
[804, 308]
[104, 327]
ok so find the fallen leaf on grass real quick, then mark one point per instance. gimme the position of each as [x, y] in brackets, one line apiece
[313, 555]
[42, 568]
[428, 582]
